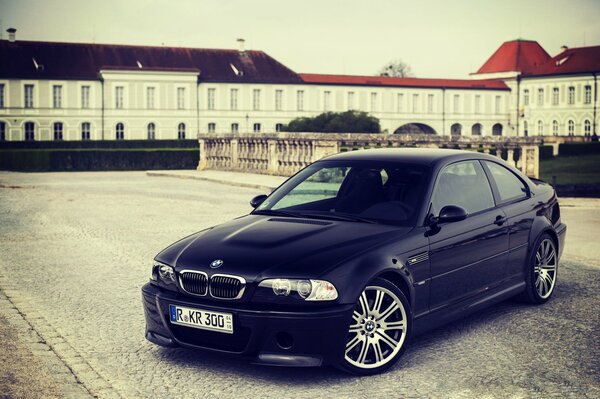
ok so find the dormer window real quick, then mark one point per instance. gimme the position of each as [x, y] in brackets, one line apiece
[139, 64]
[235, 70]
[562, 61]
[37, 65]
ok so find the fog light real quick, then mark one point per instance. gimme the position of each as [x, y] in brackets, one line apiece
[282, 286]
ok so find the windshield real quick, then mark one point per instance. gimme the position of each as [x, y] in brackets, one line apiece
[360, 191]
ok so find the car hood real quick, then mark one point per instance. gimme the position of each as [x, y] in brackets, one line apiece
[258, 246]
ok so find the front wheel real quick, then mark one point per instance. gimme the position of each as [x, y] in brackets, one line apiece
[379, 329]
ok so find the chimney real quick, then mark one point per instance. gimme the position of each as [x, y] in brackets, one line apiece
[12, 34]
[241, 45]
[564, 47]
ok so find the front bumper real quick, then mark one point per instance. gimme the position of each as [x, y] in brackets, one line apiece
[283, 338]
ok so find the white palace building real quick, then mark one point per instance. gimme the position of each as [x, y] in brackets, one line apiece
[80, 91]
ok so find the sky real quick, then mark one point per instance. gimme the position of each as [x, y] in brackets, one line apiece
[444, 38]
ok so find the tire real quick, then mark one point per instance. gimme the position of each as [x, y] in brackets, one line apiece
[542, 271]
[383, 328]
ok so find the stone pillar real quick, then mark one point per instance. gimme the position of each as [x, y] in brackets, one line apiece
[234, 154]
[202, 163]
[510, 156]
[273, 163]
[530, 165]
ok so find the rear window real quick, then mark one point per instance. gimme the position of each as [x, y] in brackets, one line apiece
[510, 187]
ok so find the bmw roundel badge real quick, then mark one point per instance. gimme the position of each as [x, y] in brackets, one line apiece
[216, 263]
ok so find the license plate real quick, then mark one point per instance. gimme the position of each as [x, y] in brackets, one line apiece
[202, 319]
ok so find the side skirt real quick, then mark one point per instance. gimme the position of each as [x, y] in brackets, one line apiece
[446, 315]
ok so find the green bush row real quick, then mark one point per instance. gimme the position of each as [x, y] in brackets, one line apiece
[120, 144]
[546, 152]
[97, 159]
[572, 149]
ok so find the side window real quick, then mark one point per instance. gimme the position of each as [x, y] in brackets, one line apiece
[510, 187]
[462, 184]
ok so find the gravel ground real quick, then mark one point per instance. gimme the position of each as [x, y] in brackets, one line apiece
[77, 248]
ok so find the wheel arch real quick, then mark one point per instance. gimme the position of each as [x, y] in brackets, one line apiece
[399, 281]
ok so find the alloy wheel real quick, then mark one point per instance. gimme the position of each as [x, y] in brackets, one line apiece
[378, 329]
[545, 268]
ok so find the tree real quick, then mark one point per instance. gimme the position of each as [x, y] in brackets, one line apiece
[335, 122]
[397, 69]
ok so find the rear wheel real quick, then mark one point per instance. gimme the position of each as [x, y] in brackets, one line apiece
[542, 271]
[379, 329]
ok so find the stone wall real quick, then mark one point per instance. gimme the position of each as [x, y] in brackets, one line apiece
[286, 153]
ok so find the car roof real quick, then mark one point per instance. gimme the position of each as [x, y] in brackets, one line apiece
[424, 156]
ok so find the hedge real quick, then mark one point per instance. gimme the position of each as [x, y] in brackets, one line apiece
[546, 152]
[106, 144]
[54, 160]
[573, 149]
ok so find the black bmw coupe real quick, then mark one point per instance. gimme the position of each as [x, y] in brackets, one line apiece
[356, 253]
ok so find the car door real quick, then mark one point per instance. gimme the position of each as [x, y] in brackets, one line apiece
[512, 195]
[469, 256]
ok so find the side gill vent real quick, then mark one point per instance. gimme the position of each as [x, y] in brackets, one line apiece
[418, 258]
[300, 221]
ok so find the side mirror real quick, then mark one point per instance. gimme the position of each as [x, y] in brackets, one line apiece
[256, 201]
[451, 213]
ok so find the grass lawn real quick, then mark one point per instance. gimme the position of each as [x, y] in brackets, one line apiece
[582, 169]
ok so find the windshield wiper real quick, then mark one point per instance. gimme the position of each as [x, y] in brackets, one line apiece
[273, 212]
[336, 216]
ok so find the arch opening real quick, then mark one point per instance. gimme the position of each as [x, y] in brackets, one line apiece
[415, 128]
[456, 129]
[476, 129]
[497, 129]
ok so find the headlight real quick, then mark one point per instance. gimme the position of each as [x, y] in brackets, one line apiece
[163, 273]
[309, 290]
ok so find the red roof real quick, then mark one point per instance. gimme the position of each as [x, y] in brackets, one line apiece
[572, 61]
[84, 61]
[524, 56]
[353, 80]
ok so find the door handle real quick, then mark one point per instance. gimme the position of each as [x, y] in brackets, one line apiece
[500, 220]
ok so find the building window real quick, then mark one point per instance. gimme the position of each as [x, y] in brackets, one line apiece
[350, 100]
[526, 97]
[150, 97]
[571, 128]
[2, 131]
[2, 95]
[58, 130]
[85, 131]
[497, 104]
[278, 127]
[181, 131]
[477, 104]
[120, 131]
[256, 99]
[587, 94]
[151, 131]
[525, 128]
[571, 99]
[374, 102]
[233, 99]
[300, 100]
[540, 128]
[181, 98]
[400, 105]
[415, 103]
[326, 100]
[456, 103]
[555, 127]
[278, 100]
[29, 131]
[119, 90]
[56, 96]
[256, 128]
[235, 127]
[28, 96]
[540, 97]
[210, 99]
[555, 94]
[85, 97]
[587, 127]
[430, 103]
[212, 127]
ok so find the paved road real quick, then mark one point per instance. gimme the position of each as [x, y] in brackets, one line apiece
[77, 247]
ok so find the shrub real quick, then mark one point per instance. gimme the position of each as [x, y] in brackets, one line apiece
[573, 149]
[335, 122]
